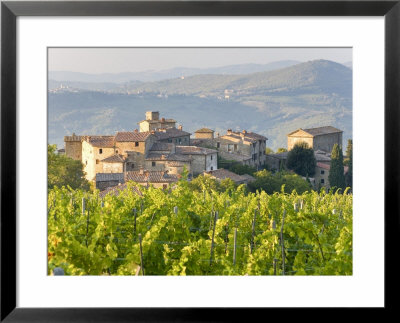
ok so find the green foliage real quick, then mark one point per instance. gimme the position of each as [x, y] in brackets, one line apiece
[64, 171]
[205, 183]
[273, 182]
[336, 173]
[301, 159]
[349, 155]
[281, 150]
[235, 167]
[177, 229]
[268, 151]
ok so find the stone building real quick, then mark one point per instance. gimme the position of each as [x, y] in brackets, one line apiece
[73, 146]
[158, 179]
[221, 174]
[204, 133]
[153, 122]
[321, 176]
[173, 135]
[203, 159]
[322, 138]
[245, 147]
[106, 180]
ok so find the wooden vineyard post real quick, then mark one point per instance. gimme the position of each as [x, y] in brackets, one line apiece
[141, 254]
[253, 226]
[176, 210]
[134, 221]
[141, 207]
[83, 206]
[87, 228]
[274, 266]
[213, 234]
[102, 203]
[234, 247]
[283, 243]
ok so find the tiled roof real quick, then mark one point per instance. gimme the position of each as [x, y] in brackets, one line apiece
[130, 136]
[317, 131]
[105, 177]
[168, 157]
[224, 173]
[193, 150]
[328, 167]
[246, 136]
[204, 130]
[114, 159]
[150, 177]
[234, 156]
[163, 134]
[161, 146]
[324, 166]
[116, 190]
[100, 141]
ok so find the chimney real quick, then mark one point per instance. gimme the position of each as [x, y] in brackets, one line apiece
[180, 127]
[135, 131]
[229, 131]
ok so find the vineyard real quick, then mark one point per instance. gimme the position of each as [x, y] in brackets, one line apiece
[192, 232]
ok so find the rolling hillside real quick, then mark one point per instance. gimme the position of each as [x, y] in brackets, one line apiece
[272, 103]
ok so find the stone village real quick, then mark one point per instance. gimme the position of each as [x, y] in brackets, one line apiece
[158, 152]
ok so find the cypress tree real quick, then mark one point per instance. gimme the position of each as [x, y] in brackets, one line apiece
[349, 155]
[336, 173]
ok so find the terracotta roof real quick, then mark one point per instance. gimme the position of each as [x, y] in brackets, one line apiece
[105, 177]
[114, 159]
[130, 136]
[194, 150]
[116, 190]
[328, 167]
[150, 177]
[224, 173]
[246, 136]
[317, 131]
[100, 141]
[163, 134]
[204, 130]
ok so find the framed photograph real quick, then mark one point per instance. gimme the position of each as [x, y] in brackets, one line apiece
[184, 155]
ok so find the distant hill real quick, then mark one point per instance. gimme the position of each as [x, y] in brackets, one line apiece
[273, 103]
[152, 76]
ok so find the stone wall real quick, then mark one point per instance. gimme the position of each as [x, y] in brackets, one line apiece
[73, 149]
[292, 141]
[113, 167]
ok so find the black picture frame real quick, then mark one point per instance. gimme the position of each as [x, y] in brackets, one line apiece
[10, 10]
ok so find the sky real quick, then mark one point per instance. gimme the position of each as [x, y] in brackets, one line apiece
[119, 60]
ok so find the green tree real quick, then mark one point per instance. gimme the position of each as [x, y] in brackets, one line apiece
[272, 182]
[336, 173]
[301, 160]
[64, 171]
[281, 150]
[349, 155]
[268, 151]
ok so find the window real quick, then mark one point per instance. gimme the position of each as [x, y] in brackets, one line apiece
[180, 140]
[235, 147]
[86, 162]
[100, 151]
[218, 144]
[116, 151]
[212, 168]
[322, 181]
[211, 157]
[153, 164]
[164, 186]
[322, 172]
[136, 144]
[169, 140]
[97, 161]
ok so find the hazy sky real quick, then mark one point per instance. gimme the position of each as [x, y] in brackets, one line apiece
[117, 60]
